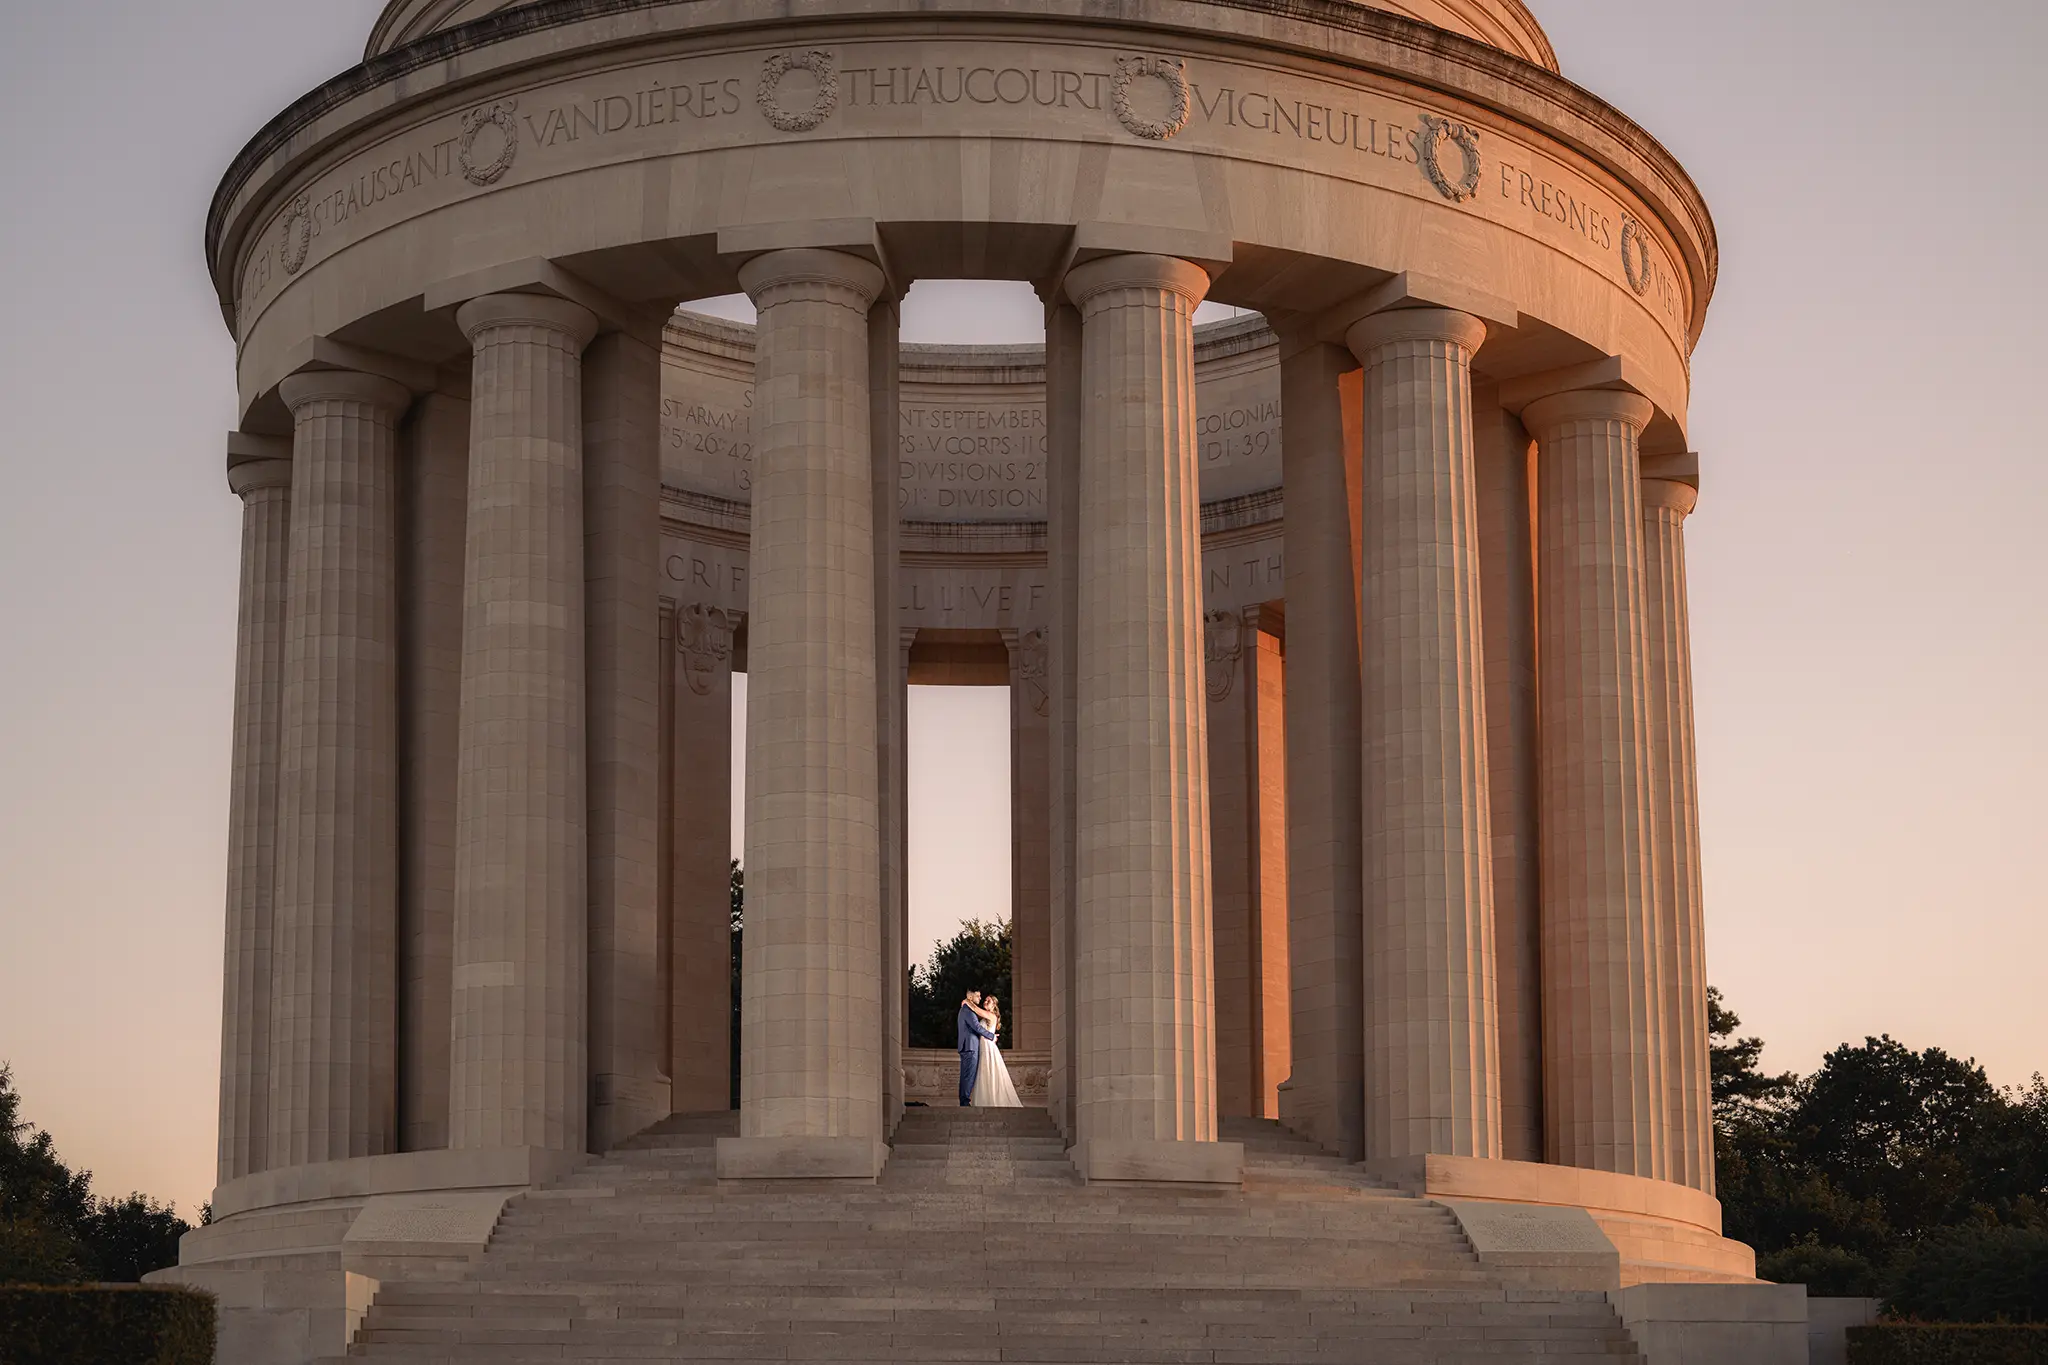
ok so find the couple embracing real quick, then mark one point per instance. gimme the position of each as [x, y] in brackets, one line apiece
[984, 1080]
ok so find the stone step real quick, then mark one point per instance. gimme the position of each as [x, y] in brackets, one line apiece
[979, 1243]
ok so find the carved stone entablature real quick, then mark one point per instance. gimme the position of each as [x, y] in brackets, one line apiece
[704, 639]
[1223, 646]
[1028, 666]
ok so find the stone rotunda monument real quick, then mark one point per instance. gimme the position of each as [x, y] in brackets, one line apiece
[1357, 908]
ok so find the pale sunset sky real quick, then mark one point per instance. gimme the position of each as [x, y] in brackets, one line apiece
[1867, 560]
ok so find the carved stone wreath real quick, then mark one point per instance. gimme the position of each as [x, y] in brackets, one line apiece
[1170, 72]
[1033, 650]
[823, 104]
[474, 122]
[1434, 131]
[297, 235]
[1635, 255]
[1223, 645]
[704, 639]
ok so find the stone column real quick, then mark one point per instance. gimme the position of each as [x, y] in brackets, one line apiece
[519, 1062]
[334, 1007]
[1062, 537]
[1144, 980]
[1323, 1097]
[892, 700]
[260, 473]
[1432, 1050]
[1502, 459]
[622, 604]
[433, 510]
[700, 896]
[1030, 841]
[1675, 832]
[1603, 1094]
[810, 1078]
[1248, 856]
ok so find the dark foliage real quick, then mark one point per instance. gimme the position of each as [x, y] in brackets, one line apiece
[96, 1324]
[1888, 1172]
[1920, 1343]
[976, 958]
[1827, 1272]
[1978, 1274]
[53, 1230]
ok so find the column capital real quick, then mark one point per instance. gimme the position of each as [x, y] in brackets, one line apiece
[1134, 270]
[344, 386]
[1671, 495]
[775, 272]
[1587, 405]
[253, 476]
[572, 320]
[1396, 325]
[258, 462]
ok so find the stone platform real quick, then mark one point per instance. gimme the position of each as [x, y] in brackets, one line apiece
[979, 1243]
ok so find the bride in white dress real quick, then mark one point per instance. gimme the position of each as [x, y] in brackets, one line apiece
[993, 1088]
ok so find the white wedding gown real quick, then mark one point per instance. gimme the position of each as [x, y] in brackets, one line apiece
[993, 1088]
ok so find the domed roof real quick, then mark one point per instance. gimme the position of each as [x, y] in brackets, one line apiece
[1504, 24]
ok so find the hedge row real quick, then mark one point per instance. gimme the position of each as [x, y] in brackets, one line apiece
[92, 1324]
[1945, 1343]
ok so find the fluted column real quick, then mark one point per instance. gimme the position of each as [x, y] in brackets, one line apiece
[700, 885]
[1323, 1097]
[518, 1061]
[433, 506]
[1248, 858]
[1030, 842]
[333, 1042]
[811, 1028]
[1675, 842]
[1503, 461]
[1144, 986]
[622, 602]
[1603, 1095]
[1432, 1047]
[1062, 535]
[892, 698]
[262, 479]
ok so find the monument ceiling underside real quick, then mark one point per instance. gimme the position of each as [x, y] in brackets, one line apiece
[972, 471]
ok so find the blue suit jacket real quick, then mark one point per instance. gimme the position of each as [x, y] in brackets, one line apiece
[972, 1028]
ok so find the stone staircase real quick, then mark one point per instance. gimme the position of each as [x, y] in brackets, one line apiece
[979, 1243]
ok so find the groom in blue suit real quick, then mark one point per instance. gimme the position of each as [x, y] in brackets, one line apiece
[971, 1031]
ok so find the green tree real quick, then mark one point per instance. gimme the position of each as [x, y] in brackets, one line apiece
[52, 1228]
[976, 958]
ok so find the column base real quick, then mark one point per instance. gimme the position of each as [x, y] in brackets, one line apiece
[801, 1158]
[623, 1105]
[1154, 1162]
